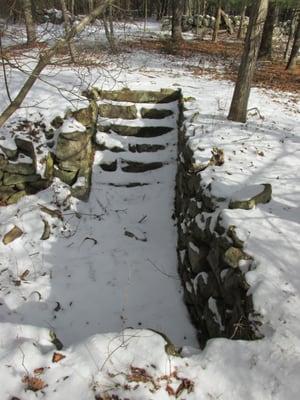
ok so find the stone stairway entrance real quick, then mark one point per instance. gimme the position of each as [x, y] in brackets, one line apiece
[127, 259]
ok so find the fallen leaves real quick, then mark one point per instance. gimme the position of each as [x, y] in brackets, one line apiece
[47, 231]
[57, 357]
[33, 383]
[173, 384]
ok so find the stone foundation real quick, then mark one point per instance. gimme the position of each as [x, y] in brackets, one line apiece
[209, 253]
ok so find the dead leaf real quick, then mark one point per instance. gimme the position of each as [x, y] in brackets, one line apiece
[33, 383]
[39, 371]
[47, 230]
[54, 213]
[170, 390]
[24, 275]
[57, 357]
[187, 385]
[12, 235]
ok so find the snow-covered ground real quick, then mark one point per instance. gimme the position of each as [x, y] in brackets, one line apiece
[90, 279]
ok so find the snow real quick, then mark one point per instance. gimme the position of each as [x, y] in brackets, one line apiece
[105, 287]
[103, 138]
[72, 125]
[247, 193]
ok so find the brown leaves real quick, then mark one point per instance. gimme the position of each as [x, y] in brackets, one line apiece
[138, 375]
[33, 383]
[57, 357]
[185, 384]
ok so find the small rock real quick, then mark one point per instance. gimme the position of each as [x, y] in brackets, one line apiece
[12, 235]
[233, 256]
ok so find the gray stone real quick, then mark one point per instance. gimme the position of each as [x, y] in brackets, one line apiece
[155, 113]
[86, 116]
[57, 122]
[233, 256]
[213, 326]
[26, 146]
[13, 179]
[81, 191]
[19, 168]
[5, 193]
[264, 196]
[207, 285]
[10, 153]
[138, 167]
[111, 167]
[68, 149]
[68, 177]
[14, 198]
[116, 111]
[140, 131]
[145, 148]
[197, 257]
[136, 96]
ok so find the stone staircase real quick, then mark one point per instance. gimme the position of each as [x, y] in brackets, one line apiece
[135, 139]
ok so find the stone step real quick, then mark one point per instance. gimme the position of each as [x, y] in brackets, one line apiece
[145, 148]
[134, 96]
[139, 167]
[155, 113]
[138, 131]
[129, 184]
[117, 111]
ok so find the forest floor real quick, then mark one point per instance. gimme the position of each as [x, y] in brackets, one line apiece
[269, 74]
[92, 288]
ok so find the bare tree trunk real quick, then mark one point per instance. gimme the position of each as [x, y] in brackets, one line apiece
[30, 25]
[177, 8]
[204, 4]
[239, 104]
[198, 19]
[227, 22]
[73, 8]
[91, 5]
[217, 22]
[266, 47]
[295, 49]
[243, 14]
[146, 14]
[67, 28]
[109, 26]
[44, 60]
[291, 34]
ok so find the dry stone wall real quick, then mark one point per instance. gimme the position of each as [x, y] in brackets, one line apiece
[210, 254]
